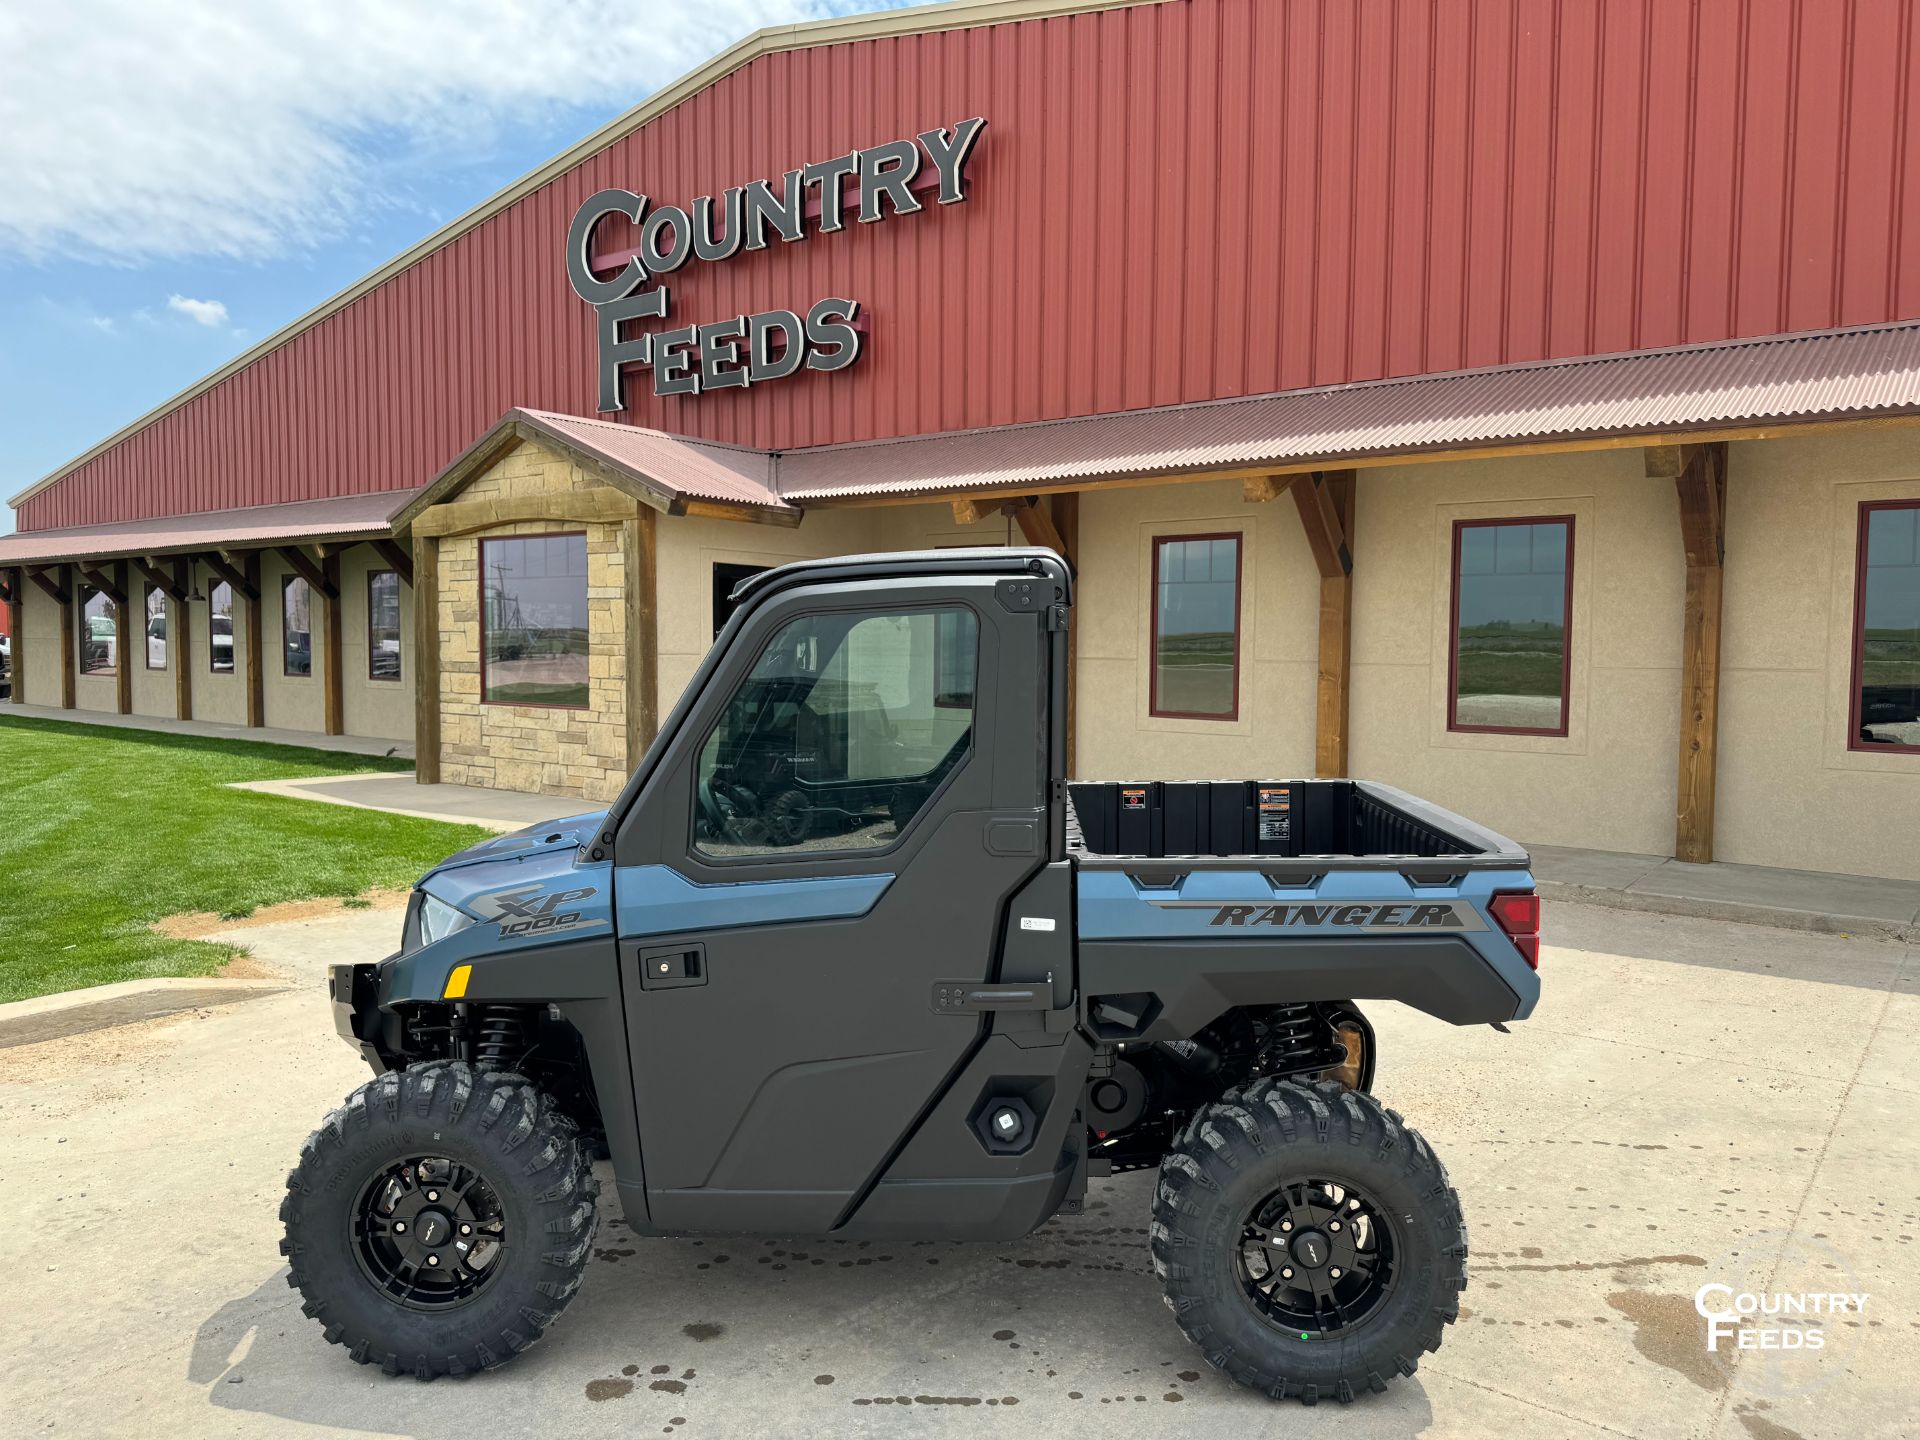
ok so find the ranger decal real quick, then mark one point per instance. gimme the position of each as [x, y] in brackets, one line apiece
[1372, 914]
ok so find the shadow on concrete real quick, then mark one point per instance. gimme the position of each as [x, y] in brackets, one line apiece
[1758, 950]
[733, 1337]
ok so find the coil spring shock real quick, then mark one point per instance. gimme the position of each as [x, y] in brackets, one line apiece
[1297, 1040]
[502, 1038]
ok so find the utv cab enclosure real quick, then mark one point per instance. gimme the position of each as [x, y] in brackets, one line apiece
[850, 957]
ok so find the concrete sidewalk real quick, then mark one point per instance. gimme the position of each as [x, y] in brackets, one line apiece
[1863, 905]
[344, 744]
[400, 794]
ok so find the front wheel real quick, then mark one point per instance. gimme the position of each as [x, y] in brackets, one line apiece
[1308, 1241]
[439, 1221]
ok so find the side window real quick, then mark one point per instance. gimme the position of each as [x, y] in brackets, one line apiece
[839, 735]
[1886, 629]
[1512, 594]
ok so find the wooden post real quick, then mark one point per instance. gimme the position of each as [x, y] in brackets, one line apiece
[180, 640]
[67, 657]
[1066, 525]
[256, 641]
[332, 663]
[17, 628]
[1325, 502]
[1699, 473]
[426, 662]
[643, 633]
[123, 642]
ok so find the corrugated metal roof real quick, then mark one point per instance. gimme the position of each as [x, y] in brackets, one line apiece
[1834, 374]
[668, 463]
[357, 516]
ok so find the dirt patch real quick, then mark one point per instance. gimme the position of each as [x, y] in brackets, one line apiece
[198, 924]
[244, 967]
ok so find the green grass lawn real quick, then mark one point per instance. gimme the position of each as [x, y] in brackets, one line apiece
[104, 831]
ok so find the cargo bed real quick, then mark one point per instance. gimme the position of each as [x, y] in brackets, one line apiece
[1220, 823]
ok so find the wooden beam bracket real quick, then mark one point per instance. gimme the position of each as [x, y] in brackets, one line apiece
[104, 584]
[233, 570]
[397, 558]
[56, 590]
[314, 574]
[168, 584]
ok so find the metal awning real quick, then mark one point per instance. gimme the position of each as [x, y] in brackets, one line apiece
[343, 518]
[1830, 375]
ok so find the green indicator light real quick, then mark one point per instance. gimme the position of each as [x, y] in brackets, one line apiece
[1303, 1335]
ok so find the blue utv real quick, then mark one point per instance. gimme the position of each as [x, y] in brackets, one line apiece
[931, 997]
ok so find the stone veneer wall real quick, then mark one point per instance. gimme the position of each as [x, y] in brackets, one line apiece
[533, 748]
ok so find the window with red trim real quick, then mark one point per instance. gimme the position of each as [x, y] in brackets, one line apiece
[1196, 627]
[1886, 629]
[1509, 658]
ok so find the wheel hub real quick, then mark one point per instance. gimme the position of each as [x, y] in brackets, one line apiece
[1317, 1257]
[1311, 1249]
[428, 1232]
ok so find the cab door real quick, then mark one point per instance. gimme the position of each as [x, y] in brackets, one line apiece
[836, 824]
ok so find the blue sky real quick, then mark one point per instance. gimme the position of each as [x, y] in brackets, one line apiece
[178, 181]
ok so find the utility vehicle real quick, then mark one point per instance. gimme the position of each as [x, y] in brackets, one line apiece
[937, 1020]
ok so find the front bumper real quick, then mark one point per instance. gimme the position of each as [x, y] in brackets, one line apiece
[355, 992]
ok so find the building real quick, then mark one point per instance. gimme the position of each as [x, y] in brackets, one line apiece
[1515, 402]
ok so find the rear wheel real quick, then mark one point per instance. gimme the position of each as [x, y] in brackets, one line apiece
[440, 1220]
[1308, 1242]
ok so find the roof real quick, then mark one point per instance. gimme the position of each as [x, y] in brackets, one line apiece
[675, 465]
[668, 472]
[1685, 392]
[771, 40]
[1840, 374]
[346, 517]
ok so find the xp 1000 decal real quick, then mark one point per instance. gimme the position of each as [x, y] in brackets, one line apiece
[528, 910]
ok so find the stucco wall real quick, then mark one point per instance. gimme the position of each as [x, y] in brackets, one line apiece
[688, 547]
[1609, 783]
[153, 692]
[1279, 616]
[382, 708]
[219, 698]
[292, 702]
[40, 646]
[1791, 793]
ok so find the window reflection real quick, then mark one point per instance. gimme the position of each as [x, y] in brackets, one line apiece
[296, 615]
[1510, 589]
[99, 645]
[383, 625]
[156, 628]
[840, 734]
[220, 628]
[534, 620]
[1887, 628]
[1196, 626]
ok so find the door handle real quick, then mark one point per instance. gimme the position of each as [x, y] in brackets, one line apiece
[671, 967]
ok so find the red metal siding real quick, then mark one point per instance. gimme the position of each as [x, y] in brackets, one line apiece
[1171, 202]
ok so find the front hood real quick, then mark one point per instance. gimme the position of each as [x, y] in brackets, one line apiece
[535, 840]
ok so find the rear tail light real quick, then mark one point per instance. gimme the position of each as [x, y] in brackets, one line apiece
[1517, 912]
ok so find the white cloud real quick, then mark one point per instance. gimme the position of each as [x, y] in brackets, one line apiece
[210, 313]
[139, 129]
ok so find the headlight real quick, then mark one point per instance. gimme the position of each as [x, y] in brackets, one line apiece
[439, 920]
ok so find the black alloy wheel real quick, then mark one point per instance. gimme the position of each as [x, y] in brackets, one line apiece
[1308, 1240]
[428, 1232]
[1316, 1258]
[440, 1220]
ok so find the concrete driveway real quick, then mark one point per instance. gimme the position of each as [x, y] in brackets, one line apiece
[1694, 1102]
